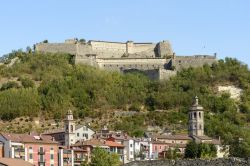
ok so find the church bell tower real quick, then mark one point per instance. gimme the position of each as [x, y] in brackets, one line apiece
[196, 119]
[69, 128]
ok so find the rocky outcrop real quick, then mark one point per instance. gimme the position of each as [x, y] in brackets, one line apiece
[193, 162]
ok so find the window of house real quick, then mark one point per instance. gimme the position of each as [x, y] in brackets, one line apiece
[51, 156]
[131, 152]
[31, 156]
[71, 128]
[41, 149]
[30, 148]
[199, 115]
[77, 134]
[195, 115]
[51, 148]
[131, 145]
[51, 164]
[41, 158]
[200, 126]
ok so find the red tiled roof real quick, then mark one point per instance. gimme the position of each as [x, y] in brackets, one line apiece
[26, 138]
[14, 162]
[92, 142]
[98, 142]
[112, 144]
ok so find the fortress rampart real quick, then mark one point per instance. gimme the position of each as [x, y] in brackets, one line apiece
[156, 60]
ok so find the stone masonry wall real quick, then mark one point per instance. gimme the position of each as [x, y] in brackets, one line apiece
[194, 162]
[182, 62]
[57, 47]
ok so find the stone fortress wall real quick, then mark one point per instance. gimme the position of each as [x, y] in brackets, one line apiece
[156, 60]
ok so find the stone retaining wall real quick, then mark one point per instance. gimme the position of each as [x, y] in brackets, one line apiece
[194, 162]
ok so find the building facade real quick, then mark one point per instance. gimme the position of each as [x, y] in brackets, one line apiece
[38, 150]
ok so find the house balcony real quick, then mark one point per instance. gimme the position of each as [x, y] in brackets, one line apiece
[79, 159]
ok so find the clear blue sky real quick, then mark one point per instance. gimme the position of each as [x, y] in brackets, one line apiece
[192, 26]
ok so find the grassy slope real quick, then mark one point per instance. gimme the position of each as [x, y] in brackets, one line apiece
[92, 93]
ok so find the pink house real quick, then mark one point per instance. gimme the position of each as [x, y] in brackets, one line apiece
[158, 147]
[38, 150]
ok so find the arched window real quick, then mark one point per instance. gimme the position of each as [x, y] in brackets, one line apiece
[200, 127]
[199, 114]
[71, 128]
[195, 115]
[67, 129]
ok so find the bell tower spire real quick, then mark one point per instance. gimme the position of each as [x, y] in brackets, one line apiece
[196, 119]
[69, 128]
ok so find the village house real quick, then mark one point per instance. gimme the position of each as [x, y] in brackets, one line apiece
[89, 145]
[37, 149]
[71, 132]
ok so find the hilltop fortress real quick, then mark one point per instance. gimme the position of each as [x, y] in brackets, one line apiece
[156, 60]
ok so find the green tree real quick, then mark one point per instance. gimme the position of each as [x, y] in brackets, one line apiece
[27, 83]
[9, 85]
[191, 150]
[239, 148]
[101, 157]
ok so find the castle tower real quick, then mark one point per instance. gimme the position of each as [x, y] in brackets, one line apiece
[69, 128]
[196, 119]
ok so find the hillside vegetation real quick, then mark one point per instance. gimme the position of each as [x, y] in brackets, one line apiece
[49, 84]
